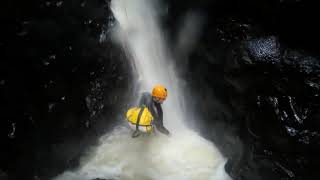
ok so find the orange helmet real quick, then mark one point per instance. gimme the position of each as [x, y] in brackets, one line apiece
[160, 92]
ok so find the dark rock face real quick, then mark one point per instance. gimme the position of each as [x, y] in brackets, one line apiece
[268, 96]
[262, 51]
[3, 175]
[301, 62]
[284, 114]
[259, 95]
[61, 81]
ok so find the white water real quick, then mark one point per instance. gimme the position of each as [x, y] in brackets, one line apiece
[184, 155]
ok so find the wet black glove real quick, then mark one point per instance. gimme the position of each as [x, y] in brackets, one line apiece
[166, 132]
[163, 130]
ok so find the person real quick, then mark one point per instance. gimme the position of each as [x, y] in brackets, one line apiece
[153, 102]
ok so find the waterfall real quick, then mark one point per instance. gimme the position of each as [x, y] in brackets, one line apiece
[184, 155]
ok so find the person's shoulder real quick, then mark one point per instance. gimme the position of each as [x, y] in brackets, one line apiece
[145, 94]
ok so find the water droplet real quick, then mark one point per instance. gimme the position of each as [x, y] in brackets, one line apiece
[46, 63]
[87, 123]
[25, 22]
[74, 69]
[48, 3]
[2, 82]
[59, 3]
[88, 102]
[63, 98]
[86, 22]
[102, 37]
[291, 131]
[13, 131]
[31, 119]
[22, 33]
[53, 56]
[83, 3]
[51, 106]
[267, 152]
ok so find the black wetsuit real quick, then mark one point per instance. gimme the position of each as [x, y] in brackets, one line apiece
[155, 109]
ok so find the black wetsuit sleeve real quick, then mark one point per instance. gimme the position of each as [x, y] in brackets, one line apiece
[143, 100]
[159, 122]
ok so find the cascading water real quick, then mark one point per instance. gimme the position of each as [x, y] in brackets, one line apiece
[184, 155]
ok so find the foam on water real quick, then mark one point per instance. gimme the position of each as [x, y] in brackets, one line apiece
[185, 155]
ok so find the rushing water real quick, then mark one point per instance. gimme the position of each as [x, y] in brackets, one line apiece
[181, 156]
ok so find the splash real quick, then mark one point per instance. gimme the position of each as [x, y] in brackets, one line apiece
[184, 155]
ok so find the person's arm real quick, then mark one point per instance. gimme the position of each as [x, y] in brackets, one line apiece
[159, 123]
[142, 100]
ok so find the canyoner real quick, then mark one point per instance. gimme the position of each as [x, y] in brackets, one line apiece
[148, 114]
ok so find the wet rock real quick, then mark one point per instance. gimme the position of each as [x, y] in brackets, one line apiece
[269, 51]
[12, 133]
[3, 175]
[233, 29]
[46, 61]
[263, 51]
[282, 87]
[302, 62]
